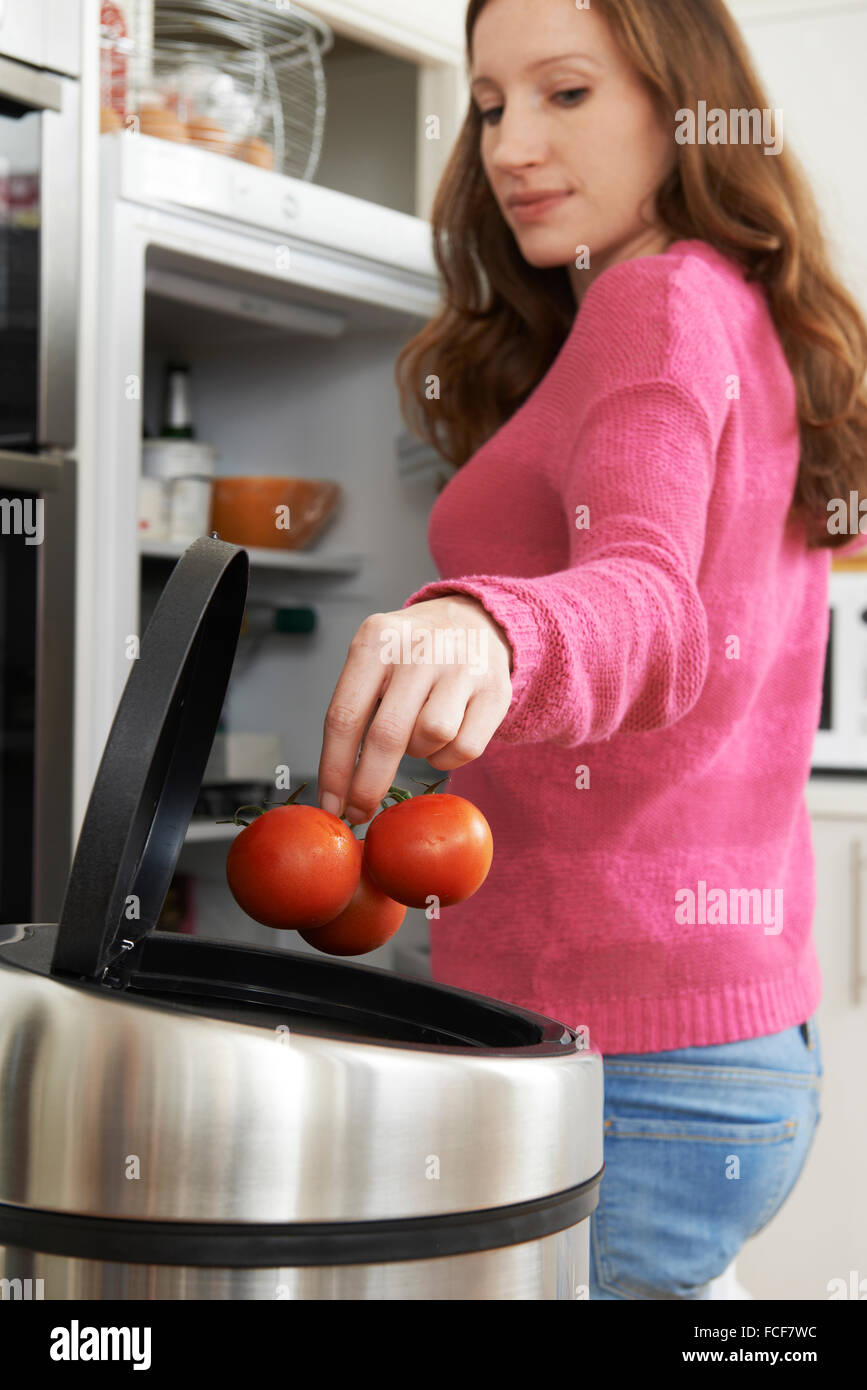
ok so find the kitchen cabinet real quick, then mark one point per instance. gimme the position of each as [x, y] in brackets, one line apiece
[401, 63]
[820, 1234]
[416, 29]
[44, 35]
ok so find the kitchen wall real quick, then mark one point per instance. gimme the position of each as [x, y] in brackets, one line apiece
[803, 52]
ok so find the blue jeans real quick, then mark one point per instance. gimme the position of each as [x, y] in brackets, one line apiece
[702, 1147]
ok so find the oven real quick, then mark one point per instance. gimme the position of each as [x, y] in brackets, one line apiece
[39, 278]
[841, 739]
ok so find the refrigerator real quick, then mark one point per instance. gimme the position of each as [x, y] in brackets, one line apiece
[289, 303]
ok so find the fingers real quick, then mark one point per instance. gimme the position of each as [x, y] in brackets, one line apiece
[440, 718]
[484, 714]
[447, 724]
[355, 695]
[391, 707]
[386, 740]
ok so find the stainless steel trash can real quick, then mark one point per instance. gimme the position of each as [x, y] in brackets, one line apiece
[191, 1119]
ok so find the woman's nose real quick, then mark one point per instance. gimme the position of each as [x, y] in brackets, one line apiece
[520, 138]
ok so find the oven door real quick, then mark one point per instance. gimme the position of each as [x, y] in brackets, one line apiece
[841, 739]
[39, 278]
[39, 251]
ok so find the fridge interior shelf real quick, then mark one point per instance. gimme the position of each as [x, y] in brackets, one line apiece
[306, 562]
[200, 829]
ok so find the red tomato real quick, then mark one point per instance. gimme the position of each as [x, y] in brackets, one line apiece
[433, 844]
[294, 866]
[368, 921]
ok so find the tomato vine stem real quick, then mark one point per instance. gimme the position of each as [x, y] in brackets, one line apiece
[397, 794]
[430, 786]
[260, 810]
[394, 794]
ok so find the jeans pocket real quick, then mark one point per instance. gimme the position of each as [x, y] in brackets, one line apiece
[807, 1126]
[680, 1196]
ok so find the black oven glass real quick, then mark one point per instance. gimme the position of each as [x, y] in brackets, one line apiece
[20, 158]
[827, 693]
[18, 601]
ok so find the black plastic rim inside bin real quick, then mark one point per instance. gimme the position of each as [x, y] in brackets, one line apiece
[268, 988]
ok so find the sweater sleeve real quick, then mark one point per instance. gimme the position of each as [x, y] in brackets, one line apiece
[619, 638]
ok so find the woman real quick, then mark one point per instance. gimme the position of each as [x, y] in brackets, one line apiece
[637, 538]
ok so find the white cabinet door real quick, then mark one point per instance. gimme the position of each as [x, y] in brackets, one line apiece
[420, 29]
[44, 33]
[821, 1233]
[22, 31]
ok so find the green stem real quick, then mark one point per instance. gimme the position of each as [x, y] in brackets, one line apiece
[234, 820]
[290, 799]
[260, 810]
[395, 794]
[430, 786]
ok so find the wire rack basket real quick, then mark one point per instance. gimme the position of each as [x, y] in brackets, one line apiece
[238, 77]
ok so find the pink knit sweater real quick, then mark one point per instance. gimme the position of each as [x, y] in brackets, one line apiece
[653, 871]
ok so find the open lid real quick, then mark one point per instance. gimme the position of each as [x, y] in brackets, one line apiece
[154, 759]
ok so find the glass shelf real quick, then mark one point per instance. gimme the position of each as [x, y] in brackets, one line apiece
[303, 561]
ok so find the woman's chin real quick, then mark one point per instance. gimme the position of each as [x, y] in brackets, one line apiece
[545, 255]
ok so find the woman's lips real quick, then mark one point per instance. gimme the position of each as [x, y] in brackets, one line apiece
[540, 207]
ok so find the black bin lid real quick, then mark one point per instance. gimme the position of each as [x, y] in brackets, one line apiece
[153, 762]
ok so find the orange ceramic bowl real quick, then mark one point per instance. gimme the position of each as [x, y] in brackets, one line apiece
[274, 513]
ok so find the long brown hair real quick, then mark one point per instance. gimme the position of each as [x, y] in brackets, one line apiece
[503, 321]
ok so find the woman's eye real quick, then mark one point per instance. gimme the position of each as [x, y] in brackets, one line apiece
[571, 97]
[578, 92]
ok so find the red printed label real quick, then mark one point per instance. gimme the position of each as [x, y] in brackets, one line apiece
[113, 63]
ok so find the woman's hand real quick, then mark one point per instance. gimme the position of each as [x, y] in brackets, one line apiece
[439, 671]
